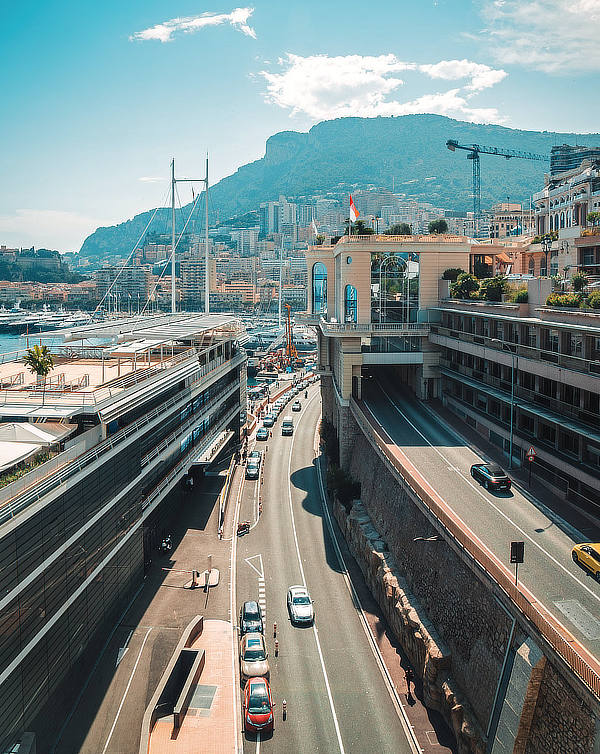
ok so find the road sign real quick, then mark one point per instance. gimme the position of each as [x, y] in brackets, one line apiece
[531, 454]
[517, 552]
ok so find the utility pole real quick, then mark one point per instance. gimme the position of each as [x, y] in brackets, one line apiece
[206, 272]
[173, 236]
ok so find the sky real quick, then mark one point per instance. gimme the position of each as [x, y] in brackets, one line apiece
[96, 98]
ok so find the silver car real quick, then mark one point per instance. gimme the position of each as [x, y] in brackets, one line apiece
[253, 657]
[300, 606]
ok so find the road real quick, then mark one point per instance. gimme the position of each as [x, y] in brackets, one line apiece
[337, 700]
[444, 460]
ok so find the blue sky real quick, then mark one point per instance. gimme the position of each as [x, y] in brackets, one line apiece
[97, 97]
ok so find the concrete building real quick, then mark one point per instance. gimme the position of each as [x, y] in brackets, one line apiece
[193, 280]
[295, 296]
[246, 240]
[78, 531]
[122, 281]
[381, 304]
[510, 219]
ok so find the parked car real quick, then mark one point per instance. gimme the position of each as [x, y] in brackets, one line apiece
[254, 661]
[256, 454]
[258, 706]
[300, 606]
[587, 555]
[268, 421]
[253, 469]
[491, 476]
[296, 406]
[262, 433]
[251, 620]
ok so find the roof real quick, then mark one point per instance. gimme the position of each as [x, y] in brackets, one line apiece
[22, 440]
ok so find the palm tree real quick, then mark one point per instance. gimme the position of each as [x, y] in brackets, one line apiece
[40, 362]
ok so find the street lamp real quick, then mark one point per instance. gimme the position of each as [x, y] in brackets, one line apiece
[546, 246]
[514, 356]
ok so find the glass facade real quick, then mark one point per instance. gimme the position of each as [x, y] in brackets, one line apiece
[319, 288]
[54, 599]
[394, 287]
[350, 304]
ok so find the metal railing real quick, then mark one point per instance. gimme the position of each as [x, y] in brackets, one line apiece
[579, 660]
[18, 495]
[397, 328]
[434, 238]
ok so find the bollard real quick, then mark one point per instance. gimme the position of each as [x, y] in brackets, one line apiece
[274, 629]
[276, 648]
[284, 708]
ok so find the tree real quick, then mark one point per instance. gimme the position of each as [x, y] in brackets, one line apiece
[359, 228]
[452, 273]
[438, 226]
[399, 229]
[579, 281]
[40, 362]
[465, 285]
[492, 288]
[593, 218]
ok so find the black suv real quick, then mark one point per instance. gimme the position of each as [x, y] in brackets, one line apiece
[251, 618]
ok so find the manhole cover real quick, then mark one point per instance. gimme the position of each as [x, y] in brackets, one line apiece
[580, 618]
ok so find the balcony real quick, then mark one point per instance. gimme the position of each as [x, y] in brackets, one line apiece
[370, 329]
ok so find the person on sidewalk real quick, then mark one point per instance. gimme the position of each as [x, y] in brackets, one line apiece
[408, 677]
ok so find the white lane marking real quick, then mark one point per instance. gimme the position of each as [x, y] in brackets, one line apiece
[487, 499]
[233, 618]
[258, 743]
[124, 649]
[387, 679]
[261, 573]
[315, 632]
[114, 725]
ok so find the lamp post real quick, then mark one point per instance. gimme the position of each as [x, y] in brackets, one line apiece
[506, 347]
[546, 246]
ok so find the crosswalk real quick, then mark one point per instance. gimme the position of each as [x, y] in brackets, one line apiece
[262, 598]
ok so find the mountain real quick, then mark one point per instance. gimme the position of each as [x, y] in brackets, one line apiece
[408, 152]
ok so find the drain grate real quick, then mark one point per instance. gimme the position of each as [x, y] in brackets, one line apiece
[203, 696]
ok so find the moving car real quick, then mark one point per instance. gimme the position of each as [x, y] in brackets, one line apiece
[253, 657]
[268, 421]
[287, 426]
[251, 620]
[587, 555]
[258, 706]
[300, 606]
[253, 469]
[491, 476]
[262, 433]
[256, 455]
[296, 406]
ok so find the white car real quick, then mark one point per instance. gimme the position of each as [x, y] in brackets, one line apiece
[300, 606]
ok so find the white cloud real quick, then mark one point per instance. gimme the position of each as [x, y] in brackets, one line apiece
[238, 18]
[151, 179]
[324, 87]
[47, 228]
[550, 35]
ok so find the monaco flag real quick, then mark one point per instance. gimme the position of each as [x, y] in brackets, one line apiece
[354, 213]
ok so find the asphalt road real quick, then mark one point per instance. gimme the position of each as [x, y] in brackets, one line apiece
[337, 700]
[444, 460]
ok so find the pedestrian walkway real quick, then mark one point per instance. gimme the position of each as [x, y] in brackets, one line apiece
[209, 724]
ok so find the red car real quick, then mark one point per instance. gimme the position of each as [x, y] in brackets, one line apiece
[258, 706]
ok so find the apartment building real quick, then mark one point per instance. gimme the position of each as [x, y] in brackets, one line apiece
[193, 280]
[115, 434]
[510, 219]
[382, 304]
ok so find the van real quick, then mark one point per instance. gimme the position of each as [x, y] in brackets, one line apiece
[287, 426]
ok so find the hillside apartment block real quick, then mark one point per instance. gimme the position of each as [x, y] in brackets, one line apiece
[379, 303]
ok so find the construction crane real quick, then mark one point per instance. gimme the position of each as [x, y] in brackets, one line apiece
[290, 352]
[474, 151]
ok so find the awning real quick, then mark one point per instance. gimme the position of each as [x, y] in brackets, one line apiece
[502, 257]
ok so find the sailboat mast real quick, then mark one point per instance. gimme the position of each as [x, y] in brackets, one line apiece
[206, 270]
[280, 279]
[173, 236]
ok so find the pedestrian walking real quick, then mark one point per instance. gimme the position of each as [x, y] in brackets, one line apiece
[408, 677]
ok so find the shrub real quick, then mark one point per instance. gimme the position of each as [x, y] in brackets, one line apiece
[572, 300]
[464, 286]
[452, 273]
[491, 289]
[438, 226]
[342, 486]
[579, 281]
[329, 441]
[593, 300]
[520, 296]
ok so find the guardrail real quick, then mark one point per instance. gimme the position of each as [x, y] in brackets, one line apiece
[224, 495]
[579, 660]
[397, 328]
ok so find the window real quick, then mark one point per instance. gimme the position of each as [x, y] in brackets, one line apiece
[350, 304]
[576, 345]
[568, 443]
[547, 433]
[319, 288]
[531, 337]
[527, 424]
[553, 341]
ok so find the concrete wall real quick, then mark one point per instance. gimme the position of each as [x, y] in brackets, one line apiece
[453, 628]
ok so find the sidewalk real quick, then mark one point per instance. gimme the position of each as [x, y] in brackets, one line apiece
[564, 514]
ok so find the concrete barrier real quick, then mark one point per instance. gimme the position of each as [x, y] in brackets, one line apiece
[173, 693]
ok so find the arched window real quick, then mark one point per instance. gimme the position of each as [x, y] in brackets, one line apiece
[350, 304]
[319, 288]
[562, 219]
